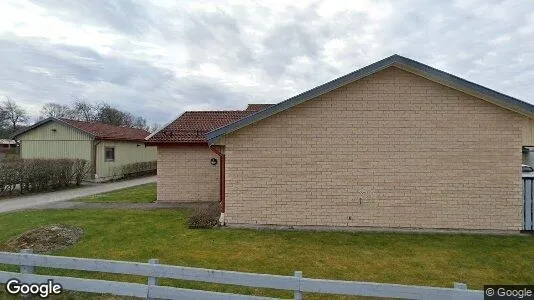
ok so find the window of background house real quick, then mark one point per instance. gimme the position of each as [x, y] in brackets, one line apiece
[109, 154]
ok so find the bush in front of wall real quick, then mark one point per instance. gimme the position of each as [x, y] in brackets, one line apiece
[138, 169]
[80, 170]
[36, 175]
[204, 216]
[10, 173]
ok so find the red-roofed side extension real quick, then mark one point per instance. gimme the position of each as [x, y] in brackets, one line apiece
[186, 163]
[191, 126]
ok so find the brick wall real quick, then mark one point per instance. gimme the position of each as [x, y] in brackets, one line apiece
[185, 174]
[391, 150]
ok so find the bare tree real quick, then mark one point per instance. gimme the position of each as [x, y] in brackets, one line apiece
[140, 122]
[110, 115]
[13, 113]
[56, 110]
[83, 110]
[154, 127]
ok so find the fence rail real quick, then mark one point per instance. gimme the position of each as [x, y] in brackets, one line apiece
[153, 270]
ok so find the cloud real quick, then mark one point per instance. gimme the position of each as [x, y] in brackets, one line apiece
[58, 73]
[130, 17]
[46, 73]
[159, 58]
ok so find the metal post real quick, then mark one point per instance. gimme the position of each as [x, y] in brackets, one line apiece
[25, 268]
[298, 291]
[460, 286]
[152, 280]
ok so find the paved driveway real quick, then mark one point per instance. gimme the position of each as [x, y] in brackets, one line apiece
[37, 200]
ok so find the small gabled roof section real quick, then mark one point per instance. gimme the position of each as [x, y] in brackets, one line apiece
[94, 130]
[398, 61]
[191, 126]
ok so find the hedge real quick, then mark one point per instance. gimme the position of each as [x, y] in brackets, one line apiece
[138, 169]
[36, 175]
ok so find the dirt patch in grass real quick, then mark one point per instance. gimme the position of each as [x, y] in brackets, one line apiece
[46, 238]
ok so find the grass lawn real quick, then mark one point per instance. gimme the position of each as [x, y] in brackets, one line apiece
[421, 259]
[145, 193]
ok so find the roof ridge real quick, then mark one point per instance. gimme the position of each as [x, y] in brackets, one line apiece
[212, 111]
[106, 131]
[99, 123]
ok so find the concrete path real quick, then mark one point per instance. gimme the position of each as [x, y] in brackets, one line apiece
[33, 201]
[119, 205]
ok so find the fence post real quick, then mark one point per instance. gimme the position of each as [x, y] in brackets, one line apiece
[460, 286]
[152, 280]
[298, 291]
[25, 268]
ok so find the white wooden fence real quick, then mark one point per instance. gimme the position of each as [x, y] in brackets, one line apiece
[153, 270]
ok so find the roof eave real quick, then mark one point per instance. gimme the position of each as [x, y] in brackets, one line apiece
[174, 143]
[465, 86]
[398, 61]
[214, 135]
[141, 140]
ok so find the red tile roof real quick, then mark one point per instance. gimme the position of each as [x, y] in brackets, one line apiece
[191, 126]
[258, 107]
[109, 132]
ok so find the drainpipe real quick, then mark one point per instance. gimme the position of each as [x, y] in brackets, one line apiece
[222, 201]
[95, 144]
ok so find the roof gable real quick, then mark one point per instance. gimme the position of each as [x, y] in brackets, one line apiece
[46, 121]
[398, 61]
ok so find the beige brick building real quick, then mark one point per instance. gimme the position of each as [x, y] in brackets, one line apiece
[396, 144]
[186, 175]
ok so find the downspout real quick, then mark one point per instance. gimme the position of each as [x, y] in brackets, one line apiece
[222, 201]
[95, 144]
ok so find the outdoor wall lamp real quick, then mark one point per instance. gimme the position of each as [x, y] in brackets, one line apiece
[213, 161]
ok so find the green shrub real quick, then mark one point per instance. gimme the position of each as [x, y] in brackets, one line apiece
[10, 172]
[204, 216]
[12, 153]
[35, 175]
[137, 169]
[80, 169]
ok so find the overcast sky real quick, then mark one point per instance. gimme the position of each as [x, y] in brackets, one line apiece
[157, 59]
